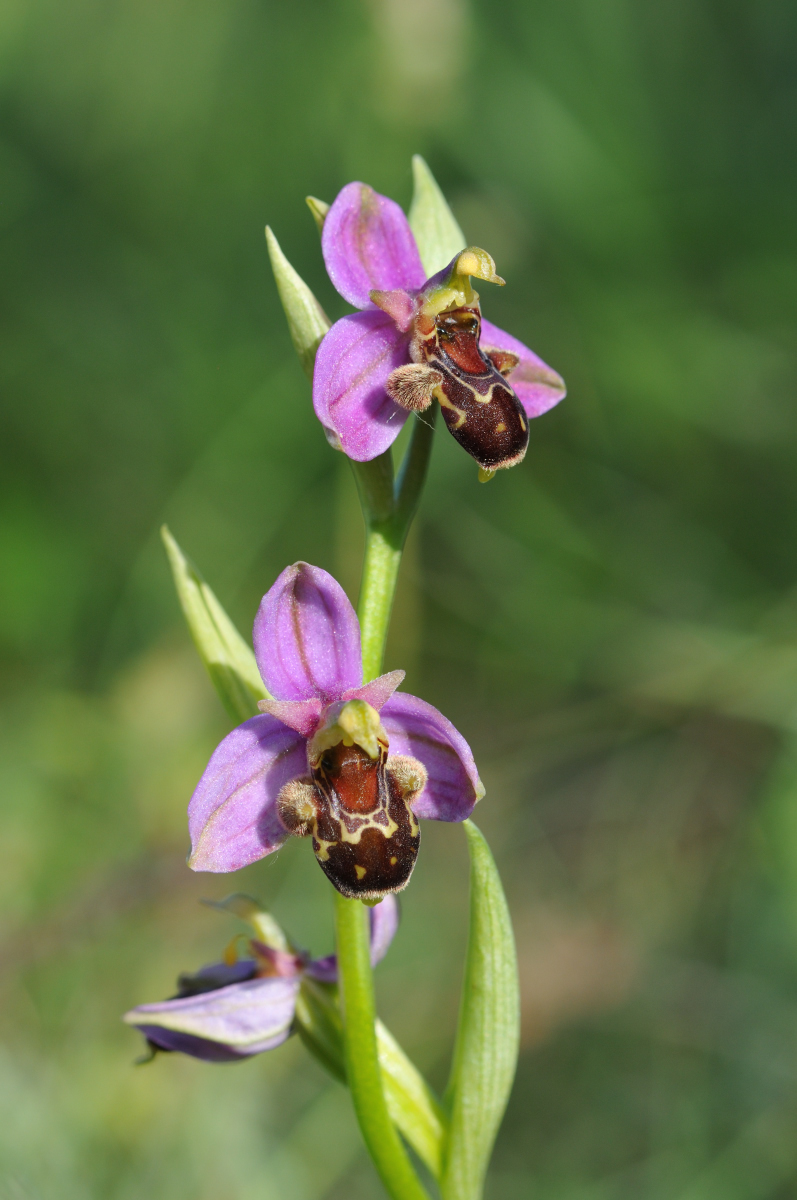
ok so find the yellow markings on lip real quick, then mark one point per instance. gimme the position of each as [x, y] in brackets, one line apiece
[500, 427]
[369, 823]
[446, 403]
[523, 424]
[393, 861]
[322, 853]
[361, 872]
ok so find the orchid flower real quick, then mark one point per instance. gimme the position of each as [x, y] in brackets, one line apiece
[415, 340]
[353, 765]
[233, 1009]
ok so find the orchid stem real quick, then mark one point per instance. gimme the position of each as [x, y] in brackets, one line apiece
[362, 1062]
[388, 509]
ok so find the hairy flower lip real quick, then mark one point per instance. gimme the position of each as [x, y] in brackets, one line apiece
[372, 259]
[307, 646]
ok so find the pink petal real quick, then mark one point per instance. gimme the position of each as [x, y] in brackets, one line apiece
[378, 691]
[222, 1025]
[232, 816]
[537, 387]
[301, 715]
[419, 730]
[368, 244]
[352, 365]
[307, 637]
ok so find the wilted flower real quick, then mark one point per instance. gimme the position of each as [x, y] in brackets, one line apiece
[416, 339]
[316, 761]
[234, 1009]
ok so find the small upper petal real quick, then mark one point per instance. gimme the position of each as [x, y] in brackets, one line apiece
[537, 386]
[378, 691]
[232, 816]
[417, 729]
[384, 921]
[301, 715]
[367, 244]
[225, 1024]
[351, 369]
[307, 637]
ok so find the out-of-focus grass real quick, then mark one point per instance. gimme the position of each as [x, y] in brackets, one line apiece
[613, 625]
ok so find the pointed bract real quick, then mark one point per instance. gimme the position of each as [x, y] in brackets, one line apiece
[436, 230]
[307, 320]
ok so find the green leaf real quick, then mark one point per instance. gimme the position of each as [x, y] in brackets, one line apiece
[414, 1109]
[228, 659]
[412, 1104]
[307, 320]
[437, 233]
[486, 1051]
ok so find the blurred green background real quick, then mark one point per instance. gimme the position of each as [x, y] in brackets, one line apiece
[613, 625]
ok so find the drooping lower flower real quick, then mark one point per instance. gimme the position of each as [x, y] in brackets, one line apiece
[352, 765]
[233, 1009]
[418, 339]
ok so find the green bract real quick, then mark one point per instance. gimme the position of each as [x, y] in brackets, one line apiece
[229, 661]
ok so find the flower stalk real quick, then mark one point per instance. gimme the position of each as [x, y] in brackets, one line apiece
[362, 1061]
[388, 509]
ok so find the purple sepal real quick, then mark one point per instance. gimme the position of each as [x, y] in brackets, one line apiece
[352, 366]
[196, 1047]
[367, 244]
[378, 691]
[232, 816]
[537, 386]
[307, 637]
[225, 1024]
[419, 730]
[384, 921]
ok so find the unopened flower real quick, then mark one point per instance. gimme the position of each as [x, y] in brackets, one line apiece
[352, 765]
[418, 339]
[233, 1009]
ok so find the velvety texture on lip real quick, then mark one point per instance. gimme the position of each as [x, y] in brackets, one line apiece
[368, 247]
[307, 644]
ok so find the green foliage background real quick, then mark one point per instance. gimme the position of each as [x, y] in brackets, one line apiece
[613, 625]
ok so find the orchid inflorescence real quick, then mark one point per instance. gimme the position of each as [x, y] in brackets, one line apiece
[329, 749]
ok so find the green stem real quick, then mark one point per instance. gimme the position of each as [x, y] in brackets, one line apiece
[388, 510]
[380, 574]
[362, 1062]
